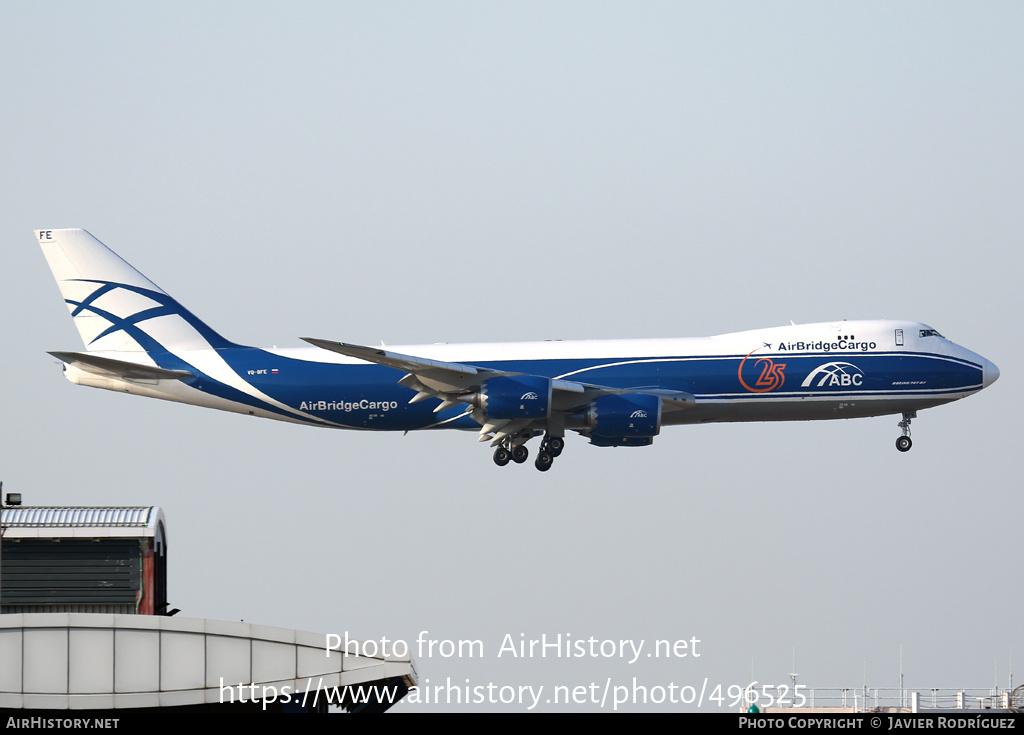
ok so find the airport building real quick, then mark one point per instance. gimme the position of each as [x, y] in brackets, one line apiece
[84, 625]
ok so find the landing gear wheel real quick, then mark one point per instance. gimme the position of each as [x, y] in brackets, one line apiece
[903, 443]
[555, 445]
[501, 456]
[543, 461]
[520, 454]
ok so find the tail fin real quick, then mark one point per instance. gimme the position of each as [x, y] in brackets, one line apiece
[114, 307]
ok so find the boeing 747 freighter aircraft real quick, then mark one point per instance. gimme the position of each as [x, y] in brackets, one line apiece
[617, 393]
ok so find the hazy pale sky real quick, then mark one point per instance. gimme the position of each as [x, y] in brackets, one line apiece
[424, 172]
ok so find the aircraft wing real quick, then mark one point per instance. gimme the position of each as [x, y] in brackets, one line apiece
[111, 368]
[452, 381]
[456, 375]
[452, 377]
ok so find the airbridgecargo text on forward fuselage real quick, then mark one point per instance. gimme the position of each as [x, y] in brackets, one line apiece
[348, 406]
[826, 346]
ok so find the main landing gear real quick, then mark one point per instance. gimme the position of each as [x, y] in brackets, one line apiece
[512, 451]
[904, 443]
[509, 451]
[550, 448]
[504, 455]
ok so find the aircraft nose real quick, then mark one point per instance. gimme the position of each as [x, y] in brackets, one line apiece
[990, 372]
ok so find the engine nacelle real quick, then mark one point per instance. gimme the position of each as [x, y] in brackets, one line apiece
[515, 397]
[622, 441]
[624, 420]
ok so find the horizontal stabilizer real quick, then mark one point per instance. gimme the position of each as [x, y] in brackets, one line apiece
[109, 367]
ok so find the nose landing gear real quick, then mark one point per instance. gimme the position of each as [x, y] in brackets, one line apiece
[904, 443]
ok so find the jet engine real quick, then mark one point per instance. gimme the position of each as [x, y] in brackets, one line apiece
[631, 420]
[515, 397]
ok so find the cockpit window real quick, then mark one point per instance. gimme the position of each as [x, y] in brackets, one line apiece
[930, 333]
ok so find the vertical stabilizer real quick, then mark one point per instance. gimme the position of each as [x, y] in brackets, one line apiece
[114, 307]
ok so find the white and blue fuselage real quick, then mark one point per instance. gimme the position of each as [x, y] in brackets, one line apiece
[811, 371]
[616, 392]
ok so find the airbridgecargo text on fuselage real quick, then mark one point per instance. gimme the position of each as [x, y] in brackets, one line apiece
[348, 406]
[823, 346]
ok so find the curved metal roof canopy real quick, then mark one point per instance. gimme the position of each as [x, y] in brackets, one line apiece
[110, 661]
